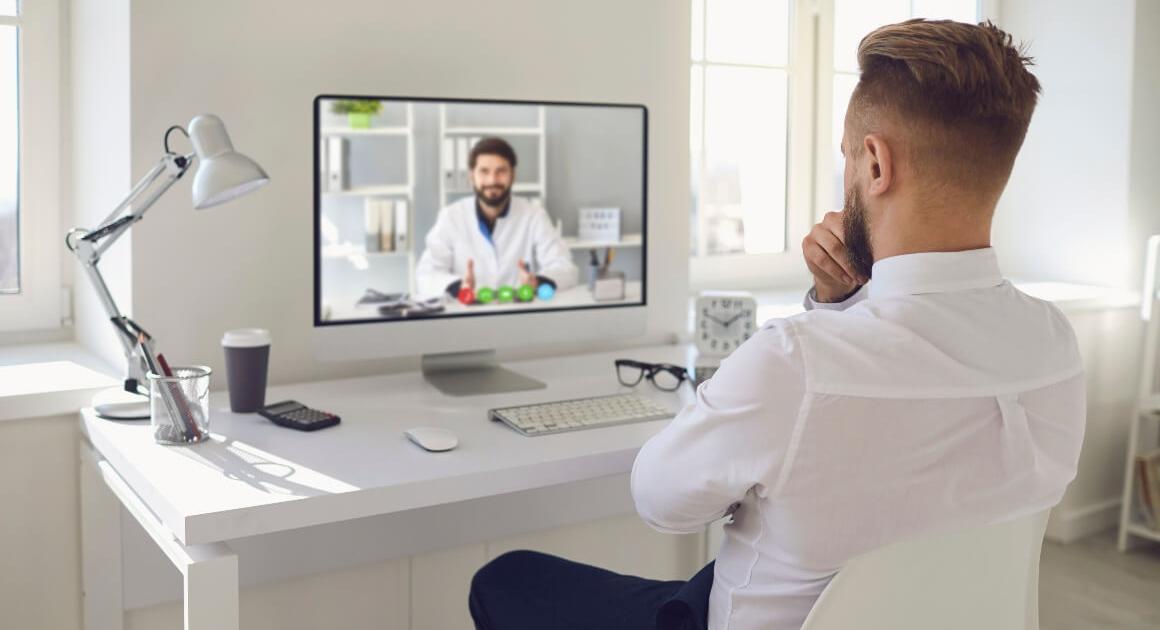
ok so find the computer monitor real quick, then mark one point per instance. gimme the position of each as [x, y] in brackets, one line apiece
[449, 228]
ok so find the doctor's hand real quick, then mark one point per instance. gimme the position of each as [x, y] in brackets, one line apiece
[468, 281]
[825, 252]
[525, 276]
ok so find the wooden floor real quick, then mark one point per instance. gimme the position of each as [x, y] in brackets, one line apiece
[1088, 585]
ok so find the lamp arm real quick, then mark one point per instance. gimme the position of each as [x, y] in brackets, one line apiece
[172, 165]
[89, 245]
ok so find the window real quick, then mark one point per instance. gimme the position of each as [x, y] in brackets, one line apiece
[9, 151]
[769, 84]
[30, 242]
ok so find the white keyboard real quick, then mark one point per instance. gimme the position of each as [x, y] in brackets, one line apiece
[582, 413]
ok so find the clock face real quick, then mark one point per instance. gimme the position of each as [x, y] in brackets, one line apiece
[723, 323]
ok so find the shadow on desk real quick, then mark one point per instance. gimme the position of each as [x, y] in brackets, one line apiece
[242, 462]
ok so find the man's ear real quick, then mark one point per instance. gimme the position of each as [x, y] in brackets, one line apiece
[879, 164]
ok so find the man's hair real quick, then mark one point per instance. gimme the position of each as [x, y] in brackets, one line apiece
[492, 146]
[963, 91]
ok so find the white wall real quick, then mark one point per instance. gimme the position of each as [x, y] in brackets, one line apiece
[1076, 208]
[1082, 200]
[1144, 184]
[100, 170]
[259, 64]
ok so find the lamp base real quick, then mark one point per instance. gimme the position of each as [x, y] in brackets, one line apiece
[117, 404]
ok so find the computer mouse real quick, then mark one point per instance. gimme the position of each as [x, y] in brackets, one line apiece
[432, 439]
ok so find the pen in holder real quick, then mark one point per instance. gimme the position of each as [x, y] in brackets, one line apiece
[179, 405]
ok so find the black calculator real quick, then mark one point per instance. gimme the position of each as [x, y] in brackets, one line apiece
[295, 415]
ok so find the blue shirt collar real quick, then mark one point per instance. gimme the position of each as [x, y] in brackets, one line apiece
[481, 219]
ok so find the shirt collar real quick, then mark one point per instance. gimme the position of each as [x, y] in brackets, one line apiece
[481, 219]
[935, 272]
[502, 213]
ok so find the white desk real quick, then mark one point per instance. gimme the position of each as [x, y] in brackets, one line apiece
[256, 480]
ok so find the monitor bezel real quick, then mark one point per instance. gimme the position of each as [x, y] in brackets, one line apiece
[317, 306]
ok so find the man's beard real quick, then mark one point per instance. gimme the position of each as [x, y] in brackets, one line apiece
[856, 230]
[493, 200]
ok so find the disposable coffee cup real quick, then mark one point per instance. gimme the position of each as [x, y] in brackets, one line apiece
[247, 358]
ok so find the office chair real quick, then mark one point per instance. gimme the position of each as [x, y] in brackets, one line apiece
[984, 577]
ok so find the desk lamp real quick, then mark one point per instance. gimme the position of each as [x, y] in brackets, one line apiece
[223, 175]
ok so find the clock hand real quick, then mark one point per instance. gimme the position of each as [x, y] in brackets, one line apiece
[733, 319]
[708, 316]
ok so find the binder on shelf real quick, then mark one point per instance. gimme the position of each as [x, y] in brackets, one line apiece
[372, 219]
[462, 151]
[401, 219]
[386, 225]
[337, 155]
[448, 164]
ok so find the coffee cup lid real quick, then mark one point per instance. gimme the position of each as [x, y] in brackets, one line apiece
[246, 338]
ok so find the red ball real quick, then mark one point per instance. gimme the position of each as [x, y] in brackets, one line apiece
[466, 296]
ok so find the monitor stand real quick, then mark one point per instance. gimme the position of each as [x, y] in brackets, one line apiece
[473, 374]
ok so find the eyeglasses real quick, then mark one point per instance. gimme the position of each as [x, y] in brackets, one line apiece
[663, 376]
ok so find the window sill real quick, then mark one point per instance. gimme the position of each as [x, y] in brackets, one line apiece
[49, 379]
[1070, 298]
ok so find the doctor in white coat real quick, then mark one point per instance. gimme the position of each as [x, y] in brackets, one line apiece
[492, 239]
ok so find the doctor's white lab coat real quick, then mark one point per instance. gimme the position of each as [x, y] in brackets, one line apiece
[524, 233]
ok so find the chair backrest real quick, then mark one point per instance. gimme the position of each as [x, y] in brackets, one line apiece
[984, 577]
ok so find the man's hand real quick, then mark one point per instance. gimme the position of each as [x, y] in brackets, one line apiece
[468, 281]
[525, 276]
[825, 254]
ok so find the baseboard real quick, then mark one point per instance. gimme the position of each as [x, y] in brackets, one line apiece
[1071, 525]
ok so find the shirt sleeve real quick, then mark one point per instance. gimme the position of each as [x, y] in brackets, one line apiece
[553, 255]
[732, 439]
[434, 273]
[811, 302]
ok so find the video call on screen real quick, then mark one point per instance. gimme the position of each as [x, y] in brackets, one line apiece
[438, 209]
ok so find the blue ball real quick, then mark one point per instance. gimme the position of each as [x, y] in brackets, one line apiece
[545, 292]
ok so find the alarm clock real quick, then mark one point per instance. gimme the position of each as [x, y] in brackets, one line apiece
[723, 320]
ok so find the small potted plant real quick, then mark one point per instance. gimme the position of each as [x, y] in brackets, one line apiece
[358, 112]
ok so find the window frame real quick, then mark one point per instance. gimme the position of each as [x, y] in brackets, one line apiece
[737, 271]
[38, 304]
[808, 183]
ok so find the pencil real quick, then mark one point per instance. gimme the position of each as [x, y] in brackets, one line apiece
[167, 393]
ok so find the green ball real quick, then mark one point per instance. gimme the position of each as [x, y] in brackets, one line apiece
[526, 293]
[506, 294]
[484, 295]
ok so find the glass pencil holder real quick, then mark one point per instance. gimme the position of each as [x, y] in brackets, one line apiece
[179, 405]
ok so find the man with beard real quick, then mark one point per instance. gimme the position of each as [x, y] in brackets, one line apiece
[491, 239]
[919, 392]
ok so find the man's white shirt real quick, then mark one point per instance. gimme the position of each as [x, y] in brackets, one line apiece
[938, 396]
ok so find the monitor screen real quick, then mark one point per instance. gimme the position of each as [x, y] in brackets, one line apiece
[429, 208]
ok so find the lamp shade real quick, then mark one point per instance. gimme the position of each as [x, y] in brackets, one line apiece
[223, 174]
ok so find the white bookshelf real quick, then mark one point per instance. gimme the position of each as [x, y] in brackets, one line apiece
[396, 190]
[356, 252]
[626, 240]
[495, 131]
[372, 131]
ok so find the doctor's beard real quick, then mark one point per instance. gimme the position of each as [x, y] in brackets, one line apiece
[856, 232]
[494, 196]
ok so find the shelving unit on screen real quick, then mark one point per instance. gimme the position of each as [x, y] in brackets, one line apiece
[368, 211]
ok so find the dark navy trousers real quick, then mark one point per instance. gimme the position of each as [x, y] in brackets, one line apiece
[527, 590]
